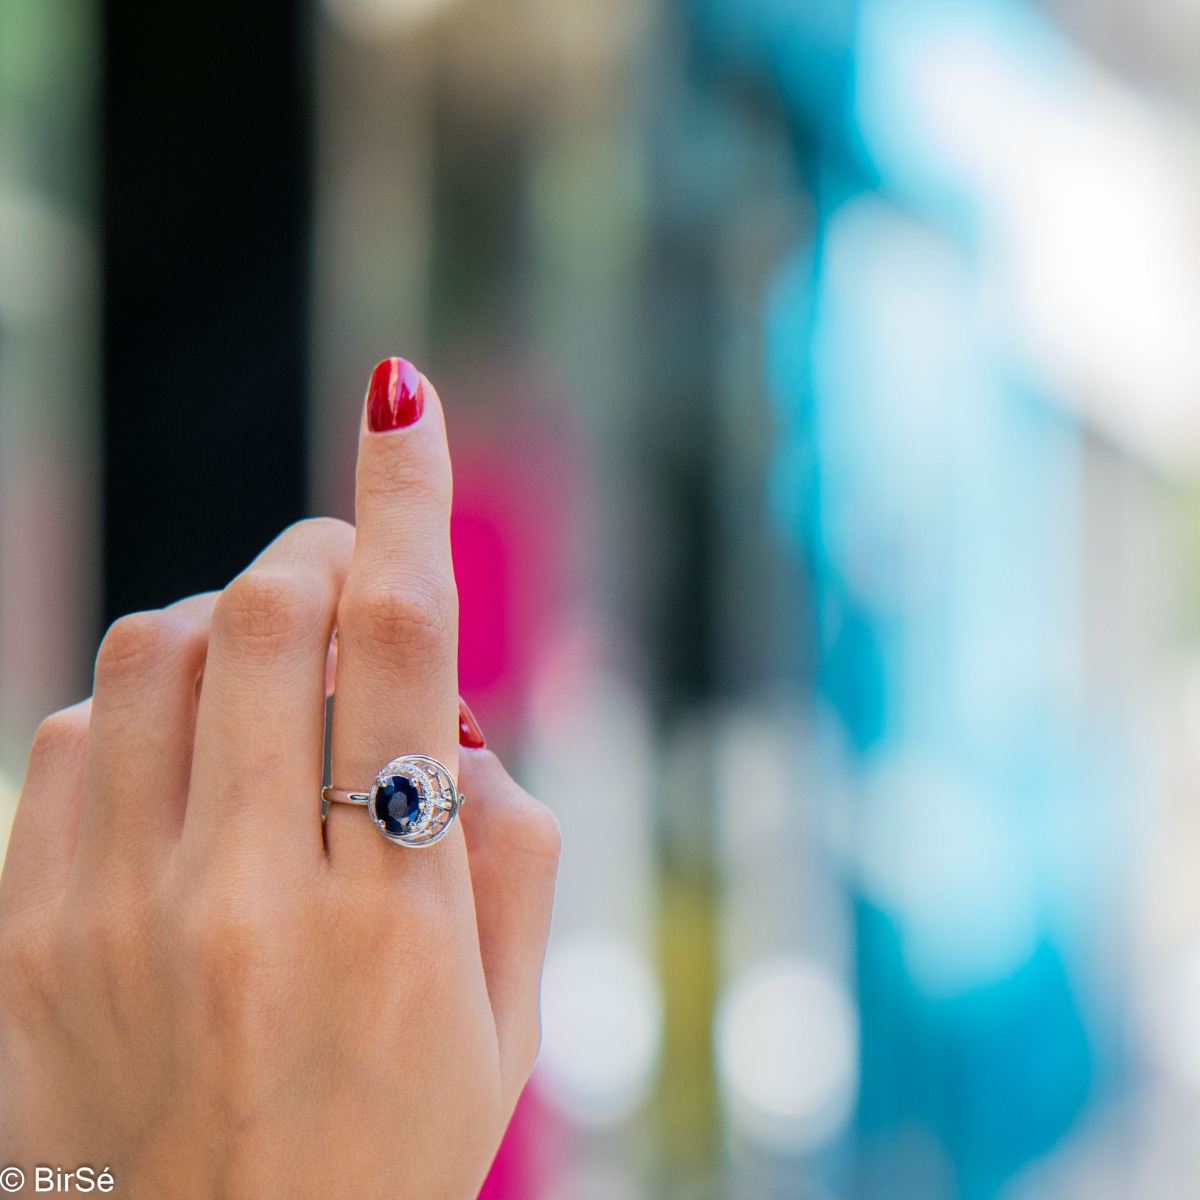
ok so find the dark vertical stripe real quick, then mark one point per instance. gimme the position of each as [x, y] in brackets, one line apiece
[206, 230]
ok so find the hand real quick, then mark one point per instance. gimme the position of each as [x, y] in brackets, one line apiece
[205, 989]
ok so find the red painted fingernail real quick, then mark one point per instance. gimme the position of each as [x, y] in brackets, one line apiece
[469, 733]
[395, 398]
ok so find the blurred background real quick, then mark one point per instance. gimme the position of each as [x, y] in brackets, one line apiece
[823, 379]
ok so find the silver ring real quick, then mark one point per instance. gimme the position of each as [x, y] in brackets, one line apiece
[413, 800]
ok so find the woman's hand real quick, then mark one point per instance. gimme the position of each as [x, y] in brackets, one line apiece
[205, 989]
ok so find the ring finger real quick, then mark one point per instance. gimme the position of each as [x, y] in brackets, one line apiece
[397, 690]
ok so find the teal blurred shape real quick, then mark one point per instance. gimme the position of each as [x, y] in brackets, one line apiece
[932, 489]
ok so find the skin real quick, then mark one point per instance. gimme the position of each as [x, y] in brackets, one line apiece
[203, 987]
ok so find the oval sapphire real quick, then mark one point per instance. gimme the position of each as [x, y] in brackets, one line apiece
[397, 804]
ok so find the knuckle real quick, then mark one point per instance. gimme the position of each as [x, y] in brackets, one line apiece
[320, 530]
[536, 832]
[412, 618]
[321, 527]
[529, 828]
[265, 610]
[59, 736]
[133, 645]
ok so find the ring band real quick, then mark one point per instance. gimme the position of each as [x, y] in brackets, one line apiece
[413, 801]
[332, 795]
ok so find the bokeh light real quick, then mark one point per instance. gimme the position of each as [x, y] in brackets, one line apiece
[601, 1029]
[383, 18]
[786, 1042]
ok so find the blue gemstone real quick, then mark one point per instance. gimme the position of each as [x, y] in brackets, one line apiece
[397, 804]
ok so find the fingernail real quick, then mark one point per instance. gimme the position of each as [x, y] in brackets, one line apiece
[394, 397]
[469, 733]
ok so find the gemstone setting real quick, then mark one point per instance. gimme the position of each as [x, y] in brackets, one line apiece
[396, 804]
[414, 800]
